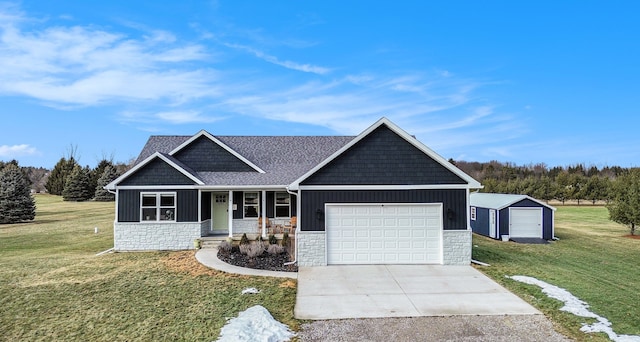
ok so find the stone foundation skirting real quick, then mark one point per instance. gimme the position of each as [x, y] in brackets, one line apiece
[156, 236]
[311, 248]
[456, 247]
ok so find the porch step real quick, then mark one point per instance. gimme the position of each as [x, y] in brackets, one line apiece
[212, 241]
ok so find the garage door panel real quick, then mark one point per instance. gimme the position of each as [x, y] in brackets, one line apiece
[389, 233]
[525, 222]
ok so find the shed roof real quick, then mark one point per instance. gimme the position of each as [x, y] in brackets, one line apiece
[500, 201]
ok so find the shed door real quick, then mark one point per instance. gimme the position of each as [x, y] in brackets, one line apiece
[525, 222]
[384, 234]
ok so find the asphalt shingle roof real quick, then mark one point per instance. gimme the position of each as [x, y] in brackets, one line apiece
[283, 158]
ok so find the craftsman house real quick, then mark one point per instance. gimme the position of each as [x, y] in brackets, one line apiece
[381, 197]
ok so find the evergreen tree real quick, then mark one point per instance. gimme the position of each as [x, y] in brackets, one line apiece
[58, 177]
[624, 207]
[77, 185]
[108, 175]
[97, 172]
[16, 203]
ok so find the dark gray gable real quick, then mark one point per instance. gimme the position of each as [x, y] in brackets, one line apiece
[203, 154]
[383, 158]
[157, 172]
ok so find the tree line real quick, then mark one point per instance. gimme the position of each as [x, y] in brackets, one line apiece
[617, 187]
[67, 179]
[575, 182]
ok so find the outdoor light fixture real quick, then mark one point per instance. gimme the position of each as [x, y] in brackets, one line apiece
[450, 214]
[319, 214]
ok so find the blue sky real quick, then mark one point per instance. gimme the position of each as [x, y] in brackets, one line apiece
[522, 82]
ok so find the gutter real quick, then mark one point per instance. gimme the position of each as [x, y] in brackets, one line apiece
[295, 257]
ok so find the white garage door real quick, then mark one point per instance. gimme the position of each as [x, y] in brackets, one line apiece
[525, 222]
[384, 234]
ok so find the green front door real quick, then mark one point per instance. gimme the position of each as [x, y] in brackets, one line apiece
[220, 212]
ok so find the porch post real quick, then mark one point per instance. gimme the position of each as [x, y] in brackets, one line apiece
[263, 213]
[230, 214]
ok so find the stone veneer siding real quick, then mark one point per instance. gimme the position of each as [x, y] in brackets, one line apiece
[156, 236]
[311, 249]
[456, 247]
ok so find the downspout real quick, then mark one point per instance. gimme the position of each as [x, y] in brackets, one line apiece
[295, 257]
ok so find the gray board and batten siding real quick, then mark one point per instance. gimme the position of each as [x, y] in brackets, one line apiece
[314, 200]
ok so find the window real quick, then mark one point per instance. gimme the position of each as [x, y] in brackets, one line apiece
[158, 207]
[251, 204]
[283, 204]
[473, 213]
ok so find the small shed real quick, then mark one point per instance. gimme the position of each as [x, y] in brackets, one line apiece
[511, 216]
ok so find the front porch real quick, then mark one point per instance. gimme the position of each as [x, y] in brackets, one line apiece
[253, 212]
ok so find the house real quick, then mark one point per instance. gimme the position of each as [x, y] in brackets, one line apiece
[511, 216]
[381, 197]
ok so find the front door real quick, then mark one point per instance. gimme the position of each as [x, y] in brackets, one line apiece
[492, 224]
[220, 212]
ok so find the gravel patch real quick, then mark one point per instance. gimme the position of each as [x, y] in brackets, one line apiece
[451, 328]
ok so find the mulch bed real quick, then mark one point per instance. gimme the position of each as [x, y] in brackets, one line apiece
[265, 261]
[637, 237]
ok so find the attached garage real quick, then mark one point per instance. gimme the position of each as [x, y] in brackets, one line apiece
[384, 233]
[511, 216]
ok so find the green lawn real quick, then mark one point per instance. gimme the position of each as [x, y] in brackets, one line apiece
[593, 260]
[54, 287]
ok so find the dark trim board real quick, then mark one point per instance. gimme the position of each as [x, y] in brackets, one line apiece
[314, 200]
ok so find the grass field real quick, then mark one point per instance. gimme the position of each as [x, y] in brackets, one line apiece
[54, 287]
[593, 260]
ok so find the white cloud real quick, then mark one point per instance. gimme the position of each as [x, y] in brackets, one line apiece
[186, 117]
[286, 64]
[15, 151]
[88, 66]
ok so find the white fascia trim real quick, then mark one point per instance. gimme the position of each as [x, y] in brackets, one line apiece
[202, 187]
[471, 183]
[219, 143]
[114, 183]
[158, 187]
[384, 187]
[523, 198]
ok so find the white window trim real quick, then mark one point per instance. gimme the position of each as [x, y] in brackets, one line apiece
[158, 206]
[473, 213]
[244, 204]
[276, 205]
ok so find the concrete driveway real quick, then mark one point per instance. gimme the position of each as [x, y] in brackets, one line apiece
[371, 291]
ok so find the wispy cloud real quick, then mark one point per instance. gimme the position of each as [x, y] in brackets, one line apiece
[14, 151]
[153, 79]
[88, 66]
[286, 64]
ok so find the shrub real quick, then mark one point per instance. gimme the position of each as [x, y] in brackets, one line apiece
[286, 240]
[244, 248]
[226, 246]
[252, 250]
[244, 240]
[260, 238]
[272, 239]
[275, 249]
